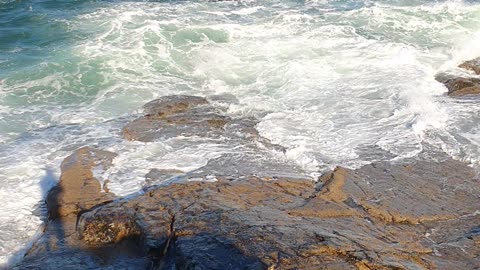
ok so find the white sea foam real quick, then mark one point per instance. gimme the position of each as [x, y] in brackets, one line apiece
[334, 83]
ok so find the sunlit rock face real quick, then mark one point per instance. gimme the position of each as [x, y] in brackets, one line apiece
[287, 89]
[414, 213]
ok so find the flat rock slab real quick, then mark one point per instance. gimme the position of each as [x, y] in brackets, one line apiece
[232, 167]
[416, 213]
[173, 116]
[414, 192]
[420, 213]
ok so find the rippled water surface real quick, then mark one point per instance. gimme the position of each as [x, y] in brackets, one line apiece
[341, 82]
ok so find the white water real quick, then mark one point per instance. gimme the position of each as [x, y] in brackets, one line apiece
[335, 82]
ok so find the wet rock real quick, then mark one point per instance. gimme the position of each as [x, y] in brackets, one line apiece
[473, 65]
[212, 255]
[243, 128]
[452, 238]
[417, 213]
[170, 105]
[173, 116]
[242, 165]
[84, 259]
[463, 84]
[158, 176]
[78, 189]
[459, 86]
[386, 215]
[192, 116]
[224, 98]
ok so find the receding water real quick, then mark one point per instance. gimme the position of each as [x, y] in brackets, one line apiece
[341, 82]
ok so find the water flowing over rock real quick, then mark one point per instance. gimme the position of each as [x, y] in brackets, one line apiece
[173, 116]
[78, 192]
[417, 213]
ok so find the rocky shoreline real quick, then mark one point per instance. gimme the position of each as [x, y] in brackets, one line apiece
[420, 213]
[465, 83]
[417, 213]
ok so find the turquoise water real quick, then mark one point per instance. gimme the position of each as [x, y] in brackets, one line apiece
[335, 82]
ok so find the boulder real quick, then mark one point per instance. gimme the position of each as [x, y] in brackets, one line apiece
[464, 84]
[473, 65]
[459, 86]
[192, 116]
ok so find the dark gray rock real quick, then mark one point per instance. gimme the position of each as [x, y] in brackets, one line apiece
[191, 116]
[170, 105]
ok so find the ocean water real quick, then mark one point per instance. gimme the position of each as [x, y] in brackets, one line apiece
[336, 82]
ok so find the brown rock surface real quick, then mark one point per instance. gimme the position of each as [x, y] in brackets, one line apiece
[78, 189]
[245, 210]
[172, 116]
[419, 213]
[415, 214]
[77, 192]
[461, 85]
[473, 65]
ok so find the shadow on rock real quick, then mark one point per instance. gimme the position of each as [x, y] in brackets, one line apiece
[72, 240]
[77, 192]
[235, 213]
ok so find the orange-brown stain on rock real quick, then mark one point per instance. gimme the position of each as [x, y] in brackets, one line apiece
[333, 187]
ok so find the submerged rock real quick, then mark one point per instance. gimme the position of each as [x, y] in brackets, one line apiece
[195, 118]
[461, 85]
[192, 116]
[418, 213]
[173, 116]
